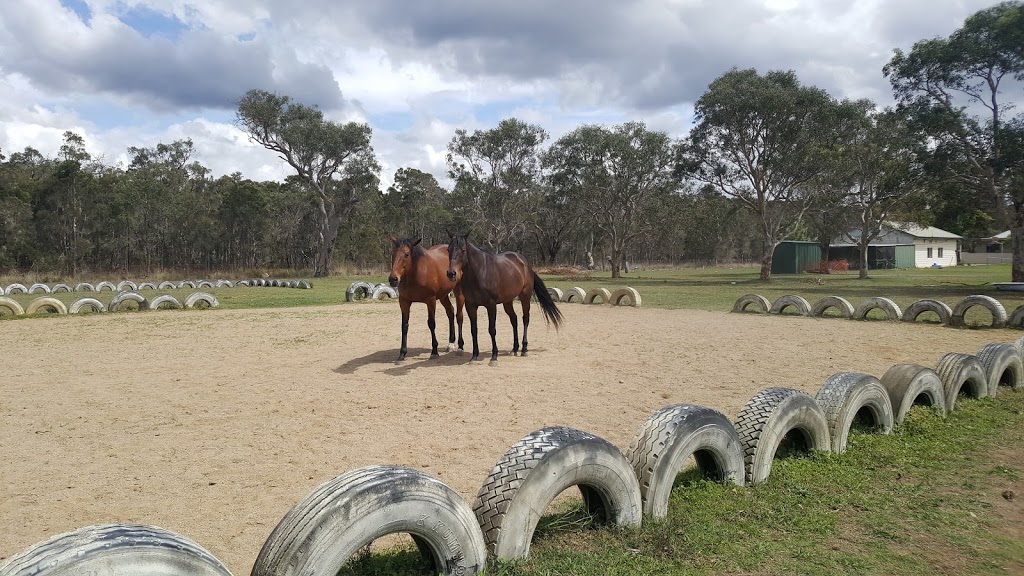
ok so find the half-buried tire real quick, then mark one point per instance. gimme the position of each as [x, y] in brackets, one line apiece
[891, 309]
[912, 385]
[208, 300]
[342, 516]
[941, 309]
[92, 304]
[842, 305]
[1002, 364]
[115, 550]
[574, 294]
[961, 373]
[850, 396]
[759, 302]
[538, 468]
[128, 296]
[623, 295]
[165, 302]
[597, 296]
[667, 441]
[46, 303]
[11, 305]
[798, 303]
[987, 302]
[772, 416]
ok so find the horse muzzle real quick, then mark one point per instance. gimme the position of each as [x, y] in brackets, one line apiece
[393, 280]
[452, 275]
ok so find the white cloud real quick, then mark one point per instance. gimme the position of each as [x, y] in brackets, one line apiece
[420, 72]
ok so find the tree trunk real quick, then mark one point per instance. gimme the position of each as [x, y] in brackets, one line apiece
[1017, 240]
[766, 261]
[863, 272]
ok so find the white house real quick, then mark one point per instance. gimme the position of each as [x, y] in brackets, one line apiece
[931, 245]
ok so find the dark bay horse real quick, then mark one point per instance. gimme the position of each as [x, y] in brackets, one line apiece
[490, 279]
[420, 274]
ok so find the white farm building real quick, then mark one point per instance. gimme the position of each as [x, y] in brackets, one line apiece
[896, 243]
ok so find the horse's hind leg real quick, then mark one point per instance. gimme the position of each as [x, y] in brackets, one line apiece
[432, 324]
[511, 311]
[492, 318]
[525, 301]
[450, 311]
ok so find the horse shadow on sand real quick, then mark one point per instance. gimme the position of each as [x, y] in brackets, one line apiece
[417, 358]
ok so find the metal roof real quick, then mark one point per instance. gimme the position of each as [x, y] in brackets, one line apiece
[921, 231]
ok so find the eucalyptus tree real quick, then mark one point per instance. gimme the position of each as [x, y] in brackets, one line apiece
[760, 140]
[961, 92]
[618, 174]
[335, 161]
[497, 177]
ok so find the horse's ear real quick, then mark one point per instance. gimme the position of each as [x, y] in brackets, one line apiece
[393, 240]
[415, 242]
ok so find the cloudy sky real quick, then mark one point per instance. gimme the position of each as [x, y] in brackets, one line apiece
[137, 72]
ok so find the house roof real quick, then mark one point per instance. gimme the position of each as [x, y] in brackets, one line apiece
[922, 231]
[1000, 236]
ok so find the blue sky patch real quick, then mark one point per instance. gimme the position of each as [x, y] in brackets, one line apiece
[151, 23]
[80, 8]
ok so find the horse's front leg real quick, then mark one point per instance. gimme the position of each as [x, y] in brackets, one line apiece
[450, 311]
[511, 311]
[431, 307]
[404, 305]
[492, 318]
[471, 309]
[460, 303]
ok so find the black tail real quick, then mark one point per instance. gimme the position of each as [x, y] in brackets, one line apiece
[551, 311]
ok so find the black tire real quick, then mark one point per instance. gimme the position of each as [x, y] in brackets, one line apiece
[539, 467]
[382, 291]
[844, 396]
[93, 304]
[667, 440]
[122, 297]
[1002, 366]
[944, 312]
[196, 297]
[802, 306]
[756, 300]
[167, 301]
[987, 302]
[958, 371]
[320, 533]
[1016, 318]
[839, 303]
[115, 550]
[891, 309]
[768, 418]
[909, 383]
[358, 291]
[46, 302]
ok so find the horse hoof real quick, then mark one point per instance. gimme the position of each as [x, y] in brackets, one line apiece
[434, 355]
[522, 354]
[492, 363]
[460, 352]
[450, 348]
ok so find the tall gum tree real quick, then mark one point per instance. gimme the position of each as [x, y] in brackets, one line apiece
[335, 161]
[960, 91]
[759, 140]
[618, 173]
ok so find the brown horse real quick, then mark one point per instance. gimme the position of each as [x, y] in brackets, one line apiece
[490, 279]
[420, 276]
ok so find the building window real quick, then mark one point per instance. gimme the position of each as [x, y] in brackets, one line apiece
[929, 252]
[940, 252]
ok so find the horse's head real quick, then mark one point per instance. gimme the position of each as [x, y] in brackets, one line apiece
[401, 258]
[457, 248]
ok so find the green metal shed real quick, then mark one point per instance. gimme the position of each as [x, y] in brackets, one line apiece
[793, 257]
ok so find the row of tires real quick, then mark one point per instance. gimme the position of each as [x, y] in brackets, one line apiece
[622, 297]
[360, 290]
[120, 301]
[344, 515]
[126, 285]
[947, 316]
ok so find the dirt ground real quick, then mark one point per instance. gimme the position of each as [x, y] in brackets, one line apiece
[214, 423]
